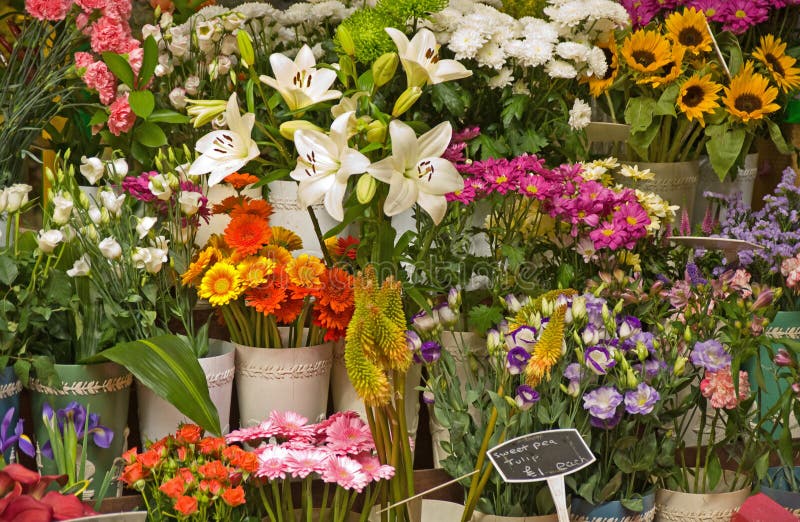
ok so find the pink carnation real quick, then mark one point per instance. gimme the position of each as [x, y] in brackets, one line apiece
[135, 57]
[121, 118]
[53, 10]
[110, 35]
[718, 387]
[83, 60]
[99, 78]
[91, 5]
[118, 9]
[82, 23]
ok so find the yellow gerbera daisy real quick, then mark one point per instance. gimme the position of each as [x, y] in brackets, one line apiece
[598, 86]
[221, 284]
[280, 255]
[670, 72]
[286, 238]
[772, 53]
[750, 96]
[646, 51]
[305, 271]
[204, 258]
[689, 29]
[698, 96]
[254, 270]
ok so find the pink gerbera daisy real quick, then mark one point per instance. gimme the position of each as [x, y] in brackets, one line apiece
[349, 436]
[303, 462]
[373, 468]
[291, 425]
[345, 473]
[272, 461]
[263, 431]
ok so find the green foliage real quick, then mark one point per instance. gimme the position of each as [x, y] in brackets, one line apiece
[406, 11]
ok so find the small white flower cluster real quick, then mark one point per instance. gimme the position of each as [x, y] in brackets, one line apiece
[563, 45]
[205, 46]
[14, 197]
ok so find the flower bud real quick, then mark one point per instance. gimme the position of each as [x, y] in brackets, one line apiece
[413, 341]
[783, 358]
[288, 128]
[84, 200]
[494, 341]
[454, 298]
[384, 68]
[345, 40]
[680, 366]
[796, 389]
[245, 45]
[687, 335]
[406, 100]
[365, 188]
[110, 248]
[631, 380]
[512, 303]
[376, 132]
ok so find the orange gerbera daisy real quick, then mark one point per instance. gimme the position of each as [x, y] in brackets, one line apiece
[289, 310]
[265, 298]
[252, 207]
[226, 206]
[305, 271]
[247, 235]
[335, 324]
[286, 238]
[348, 246]
[255, 270]
[336, 291]
[240, 180]
[196, 269]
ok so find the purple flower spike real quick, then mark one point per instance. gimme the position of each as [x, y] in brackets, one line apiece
[516, 359]
[710, 355]
[526, 397]
[642, 400]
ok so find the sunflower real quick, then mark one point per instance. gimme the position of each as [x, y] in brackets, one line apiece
[305, 271]
[254, 270]
[689, 30]
[772, 53]
[598, 86]
[247, 235]
[646, 51]
[221, 284]
[670, 72]
[750, 97]
[698, 96]
[283, 237]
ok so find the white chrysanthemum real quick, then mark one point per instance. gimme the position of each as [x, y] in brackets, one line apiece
[447, 20]
[285, 36]
[572, 51]
[560, 69]
[208, 12]
[520, 87]
[596, 59]
[593, 172]
[580, 115]
[607, 10]
[326, 9]
[531, 53]
[632, 171]
[538, 29]
[504, 77]
[463, 6]
[491, 55]
[256, 10]
[295, 14]
[466, 43]
[479, 23]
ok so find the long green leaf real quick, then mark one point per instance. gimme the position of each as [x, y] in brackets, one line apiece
[119, 66]
[167, 366]
[149, 62]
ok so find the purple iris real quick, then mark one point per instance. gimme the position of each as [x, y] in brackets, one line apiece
[599, 359]
[642, 400]
[429, 352]
[516, 359]
[526, 397]
[75, 414]
[710, 355]
[18, 438]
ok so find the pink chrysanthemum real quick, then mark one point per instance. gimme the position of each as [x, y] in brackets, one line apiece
[345, 473]
[272, 462]
[631, 216]
[373, 468]
[303, 462]
[718, 388]
[349, 436]
[607, 235]
[263, 431]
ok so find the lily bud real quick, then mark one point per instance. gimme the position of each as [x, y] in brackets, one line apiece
[346, 40]
[288, 128]
[687, 335]
[376, 132]
[365, 188]
[204, 111]
[384, 68]
[406, 100]
[245, 45]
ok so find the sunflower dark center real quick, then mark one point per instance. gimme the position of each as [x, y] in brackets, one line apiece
[775, 65]
[748, 103]
[690, 37]
[694, 96]
[609, 56]
[643, 57]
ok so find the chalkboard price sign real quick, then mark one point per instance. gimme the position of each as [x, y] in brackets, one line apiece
[541, 455]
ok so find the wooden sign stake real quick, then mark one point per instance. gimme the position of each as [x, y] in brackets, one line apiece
[559, 494]
[418, 495]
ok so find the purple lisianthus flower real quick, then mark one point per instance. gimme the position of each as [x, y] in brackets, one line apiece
[526, 397]
[413, 341]
[710, 355]
[516, 359]
[573, 372]
[424, 322]
[524, 337]
[429, 352]
[628, 326]
[642, 400]
[594, 309]
[599, 359]
[602, 403]
[428, 397]
[593, 334]
[606, 424]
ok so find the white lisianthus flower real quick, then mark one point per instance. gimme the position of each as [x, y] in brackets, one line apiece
[110, 248]
[62, 208]
[224, 65]
[229, 45]
[580, 115]
[151, 30]
[144, 225]
[191, 85]
[3, 200]
[69, 233]
[95, 215]
[80, 267]
[112, 202]
[157, 257]
[179, 45]
[416, 172]
[159, 187]
[117, 169]
[140, 257]
[92, 169]
[48, 240]
[189, 202]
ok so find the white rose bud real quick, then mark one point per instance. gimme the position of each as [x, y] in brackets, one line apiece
[177, 97]
[144, 225]
[62, 208]
[191, 85]
[80, 268]
[117, 169]
[112, 202]
[17, 196]
[190, 202]
[110, 248]
[48, 240]
[92, 169]
[95, 215]
[159, 187]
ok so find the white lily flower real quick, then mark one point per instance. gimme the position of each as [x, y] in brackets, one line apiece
[324, 164]
[420, 59]
[415, 171]
[226, 151]
[299, 82]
